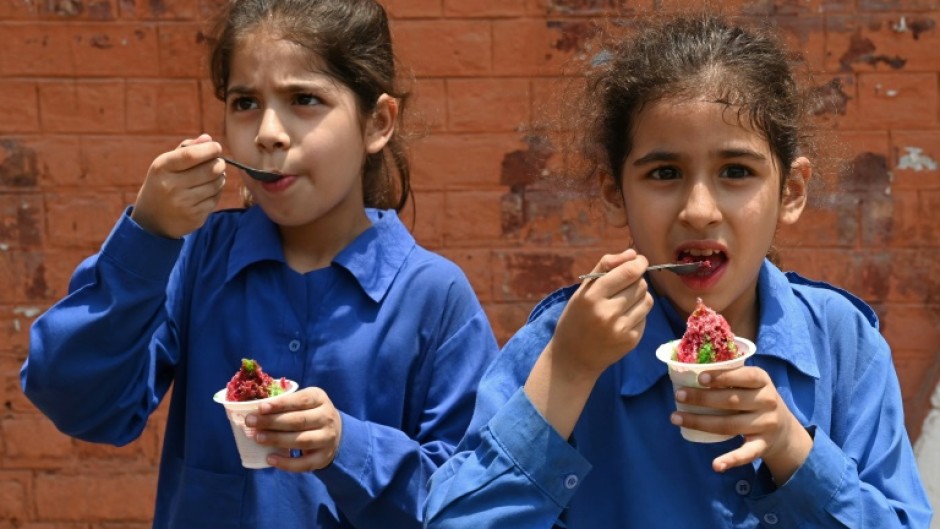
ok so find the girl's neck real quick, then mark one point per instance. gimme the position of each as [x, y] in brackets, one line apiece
[313, 246]
[743, 316]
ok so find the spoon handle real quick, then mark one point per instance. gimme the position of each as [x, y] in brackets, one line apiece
[666, 266]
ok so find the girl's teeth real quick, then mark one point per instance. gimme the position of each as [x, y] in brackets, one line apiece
[701, 253]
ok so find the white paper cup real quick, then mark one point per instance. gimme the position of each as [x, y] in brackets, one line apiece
[686, 375]
[252, 454]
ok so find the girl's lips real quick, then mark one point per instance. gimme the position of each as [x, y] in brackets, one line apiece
[280, 184]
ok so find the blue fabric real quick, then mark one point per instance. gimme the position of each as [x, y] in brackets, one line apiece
[393, 333]
[627, 466]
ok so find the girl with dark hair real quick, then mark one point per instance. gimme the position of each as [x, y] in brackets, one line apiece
[317, 280]
[699, 122]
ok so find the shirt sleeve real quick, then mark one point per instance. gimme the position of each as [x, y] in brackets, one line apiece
[97, 364]
[866, 479]
[522, 474]
[380, 473]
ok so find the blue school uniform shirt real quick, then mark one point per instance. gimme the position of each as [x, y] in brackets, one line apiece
[627, 466]
[393, 333]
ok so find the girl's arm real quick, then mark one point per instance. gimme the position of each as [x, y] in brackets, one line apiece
[100, 359]
[519, 470]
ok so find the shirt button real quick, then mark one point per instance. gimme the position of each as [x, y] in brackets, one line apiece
[771, 518]
[294, 346]
[742, 487]
[571, 481]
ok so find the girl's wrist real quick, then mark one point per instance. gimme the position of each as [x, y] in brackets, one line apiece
[558, 391]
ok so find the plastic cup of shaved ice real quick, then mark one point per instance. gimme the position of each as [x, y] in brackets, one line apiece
[253, 455]
[685, 374]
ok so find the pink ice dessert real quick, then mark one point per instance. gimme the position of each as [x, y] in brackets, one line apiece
[252, 383]
[707, 339]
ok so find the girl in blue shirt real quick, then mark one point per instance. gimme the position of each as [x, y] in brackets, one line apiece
[699, 126]
[318, 280]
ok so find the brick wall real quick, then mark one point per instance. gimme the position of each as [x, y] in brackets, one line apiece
[92, 90]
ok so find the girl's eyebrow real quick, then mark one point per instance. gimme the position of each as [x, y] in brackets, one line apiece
[667, 156]
[291, 87]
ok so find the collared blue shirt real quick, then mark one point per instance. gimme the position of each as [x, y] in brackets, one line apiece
[627, 466]
[393, 333]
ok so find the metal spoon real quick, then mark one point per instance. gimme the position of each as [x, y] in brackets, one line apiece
[257, 174]
[676, 268]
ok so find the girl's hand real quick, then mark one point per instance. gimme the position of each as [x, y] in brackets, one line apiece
[182, 187]
[305, 420]
[605, 318]
[770, 429]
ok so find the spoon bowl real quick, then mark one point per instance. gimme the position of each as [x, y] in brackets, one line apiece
[681, 269]
[257, 174]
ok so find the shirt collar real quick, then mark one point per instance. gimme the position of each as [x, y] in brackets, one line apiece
[781, 334]
[373, 258]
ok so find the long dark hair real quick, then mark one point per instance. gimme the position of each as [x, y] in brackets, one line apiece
[353, 40]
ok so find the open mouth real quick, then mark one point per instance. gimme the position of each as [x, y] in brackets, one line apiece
[712, 259]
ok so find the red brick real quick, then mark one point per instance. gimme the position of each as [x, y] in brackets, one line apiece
[82, 106]
[162, 10]
[33, 442]
[399, 9]
[36, 50]
[19, 106]
[751, 7]
[22, 10]
[555, 218]
[122, 161]
[14, 495]
[488, 105]
[898, 5]
[478, 265]
[183, 50]
[14, 401]
[591, 7]
[428, 107]
[537, 47]
[106, 496]
[874, 43]
[915, 159]
[75, 10]
[912, 327]
[915, 276]
[484, 8]
[163, 106]
[451, 160]
[424, 214]
[124, 50]
[58, 158]
[915, 369]
[82, 219]
[530, 275]
[805, 35]
[473, 218]
[213, 111]
[898, 99]
[21, 221]
[459, 48]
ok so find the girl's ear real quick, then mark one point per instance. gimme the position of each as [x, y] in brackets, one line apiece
[381, 123]
[794, 191]
[615, 210]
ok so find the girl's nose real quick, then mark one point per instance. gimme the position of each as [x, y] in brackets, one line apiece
[701, 207]
[271, 132]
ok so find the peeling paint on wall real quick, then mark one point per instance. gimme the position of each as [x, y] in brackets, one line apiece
[916, 160]
[862, 50]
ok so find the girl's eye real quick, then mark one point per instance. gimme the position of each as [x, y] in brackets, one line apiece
[736, 172]
[664, 173]
[307, 100]
[244, 103]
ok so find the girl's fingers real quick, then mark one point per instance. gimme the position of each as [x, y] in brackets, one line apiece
[194, 154]
[749, 377]
[303, 399]
[723, 399]
[747, 453]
